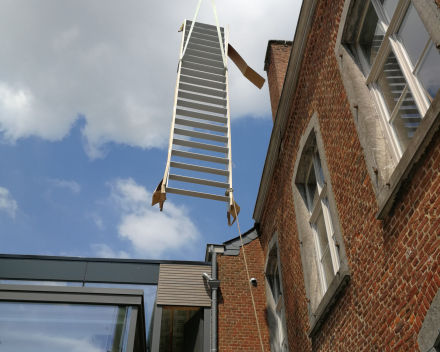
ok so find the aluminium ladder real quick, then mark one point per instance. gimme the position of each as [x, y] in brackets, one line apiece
[201, 119]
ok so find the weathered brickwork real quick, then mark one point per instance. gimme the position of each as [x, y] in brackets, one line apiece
[278, 60]
[394, 263]
[236, 318]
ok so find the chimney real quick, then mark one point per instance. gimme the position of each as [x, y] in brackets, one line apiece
[275, 64]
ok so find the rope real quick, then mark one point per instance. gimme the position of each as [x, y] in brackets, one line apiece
[250, 287]
[219, 34]
[191, 29]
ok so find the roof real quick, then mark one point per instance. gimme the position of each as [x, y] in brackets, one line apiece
[232, 246]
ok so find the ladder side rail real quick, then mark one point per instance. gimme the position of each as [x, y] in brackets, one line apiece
[228, 145]
[170, 144]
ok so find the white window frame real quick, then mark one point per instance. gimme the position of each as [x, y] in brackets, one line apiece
[321, 207]
[392, 42]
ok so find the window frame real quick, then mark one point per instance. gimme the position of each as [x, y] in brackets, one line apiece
[273, 267]
[84, 296]
[392, 42]
[321, 207]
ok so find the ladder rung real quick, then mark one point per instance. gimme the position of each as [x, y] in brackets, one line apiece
[202, 98]
[204, 26]
[198, 145]
[201, 125]
[207, 37]
[208, 170]
[202, 82]
[212, 159]
[201, 135]
[202, 107]
[198, 181]
[202, 90]
[197, 194]
[201, 60]
[204, 68]
[201, 116]
[204, 54]
[202, 42]
[208, 49]
[201, 74]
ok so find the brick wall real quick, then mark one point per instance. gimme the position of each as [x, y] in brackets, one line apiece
[236, 318]
[394, 263]
[278, 58]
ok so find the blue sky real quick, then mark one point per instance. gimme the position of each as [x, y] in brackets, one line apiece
[86, 95]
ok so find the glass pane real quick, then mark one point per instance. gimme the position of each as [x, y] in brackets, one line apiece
[371, 36]
[312, 189]
[318, 169]
[407, 120]
[413, 33]
[429, 72]
[149, 301]
[328, 268]
[391, 82]
[42, 283]
[322, 233]
[390, 7]
[62, 327]
[276, 286]
[177, 325]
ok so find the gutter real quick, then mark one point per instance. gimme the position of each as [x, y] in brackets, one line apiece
[302, 31]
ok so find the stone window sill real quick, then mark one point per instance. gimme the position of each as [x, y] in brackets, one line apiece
[415, 150]
[328, 301]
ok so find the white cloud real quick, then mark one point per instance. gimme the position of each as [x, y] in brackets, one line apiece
[7, 203]
[154, 234]
[104, 251]
[113, 64]
[70, 185]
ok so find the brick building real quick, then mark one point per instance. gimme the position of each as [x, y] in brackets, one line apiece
[346, 248]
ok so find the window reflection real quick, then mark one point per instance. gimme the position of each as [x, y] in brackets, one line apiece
[391, 82]
[181, 329]
[41, 283]
[63, 327]
[414, 35]
[429, 72]
[149, 298]
[390, 7]
[372, 34]
[407, 120]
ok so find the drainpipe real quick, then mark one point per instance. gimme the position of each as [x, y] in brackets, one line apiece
[214, 284]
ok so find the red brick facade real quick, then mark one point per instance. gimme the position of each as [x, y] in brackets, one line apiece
[394, 263]
[236, 317]
[277, 64]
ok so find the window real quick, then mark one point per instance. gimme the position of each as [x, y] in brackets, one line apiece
[62, 318]
[402, 66]
[320, 220]
[275, 302]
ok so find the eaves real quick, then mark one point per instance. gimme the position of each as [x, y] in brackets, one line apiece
[302, 31]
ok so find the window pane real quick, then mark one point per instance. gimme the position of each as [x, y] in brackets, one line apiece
[328, 268]
[390, 7]
[62, 327]
[371, 36]
[322, 233]
[413, 33]
[407, 120]
[312, 189]
[176, 325]
[429, 72]
[391, 82]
